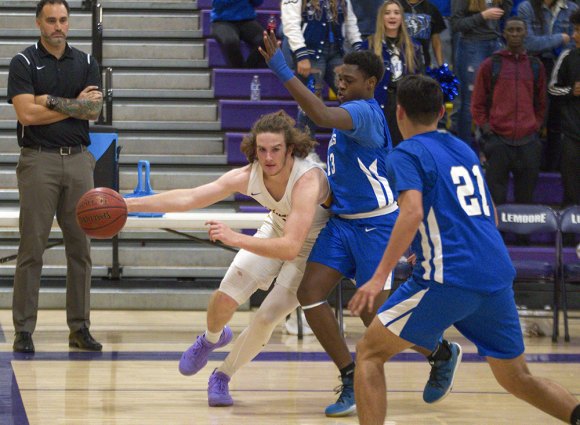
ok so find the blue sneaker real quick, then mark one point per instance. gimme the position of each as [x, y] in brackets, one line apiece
[195, 357]
[218, 391]
[442, 375]
[345, 405]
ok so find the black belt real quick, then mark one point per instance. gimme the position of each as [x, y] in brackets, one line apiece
[63, 150]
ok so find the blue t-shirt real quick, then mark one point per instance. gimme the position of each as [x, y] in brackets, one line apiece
[457, 243]
[356, 161]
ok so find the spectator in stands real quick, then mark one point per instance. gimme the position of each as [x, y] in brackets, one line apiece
[401, 56]
[478, 28]
[549, 32]
[446, 36]
[315, 29]
[292, 189]
[565, 84]
[55, 91]
[366, 15]
[424, 24]
[508, 104]
[233, 21]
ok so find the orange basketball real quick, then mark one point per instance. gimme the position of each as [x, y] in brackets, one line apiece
[101, 213]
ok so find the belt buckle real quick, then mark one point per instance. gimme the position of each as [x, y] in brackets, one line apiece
[65, 150]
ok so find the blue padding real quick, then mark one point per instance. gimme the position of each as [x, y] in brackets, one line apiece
[143, 188]
[100, 142]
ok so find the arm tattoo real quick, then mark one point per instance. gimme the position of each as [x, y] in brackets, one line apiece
[82, 109]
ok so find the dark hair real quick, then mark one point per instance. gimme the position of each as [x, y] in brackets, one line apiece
[575, 18]
[538, 16]
[278, 122]
[421, 97]
[40, 5]
[368, 62]
[515, 18]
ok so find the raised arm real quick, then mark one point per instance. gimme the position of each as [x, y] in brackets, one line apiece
[308, 193]
[179, 200]
[314, 107]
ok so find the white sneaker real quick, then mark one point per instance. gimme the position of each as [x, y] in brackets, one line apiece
[292, 324]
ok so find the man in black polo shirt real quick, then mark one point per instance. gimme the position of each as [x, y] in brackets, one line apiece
[54, 89]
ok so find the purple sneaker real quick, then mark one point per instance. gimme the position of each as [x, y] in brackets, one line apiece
[218, 393]
[195, 357]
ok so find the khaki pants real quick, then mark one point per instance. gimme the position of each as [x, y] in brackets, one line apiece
[49, 183]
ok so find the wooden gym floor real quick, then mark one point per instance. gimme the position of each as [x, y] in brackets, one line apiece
[135, 380]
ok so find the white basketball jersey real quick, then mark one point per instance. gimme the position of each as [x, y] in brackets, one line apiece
[279, 210]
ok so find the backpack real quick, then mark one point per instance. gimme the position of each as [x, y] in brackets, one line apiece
[496, 61]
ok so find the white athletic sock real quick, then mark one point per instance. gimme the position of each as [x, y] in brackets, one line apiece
[213, 337]
[277, 305]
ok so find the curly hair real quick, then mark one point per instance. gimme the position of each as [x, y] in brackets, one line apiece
[368, 63]
[278, 122]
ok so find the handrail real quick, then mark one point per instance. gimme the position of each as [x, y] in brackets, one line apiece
[97, 31]
[106, 118]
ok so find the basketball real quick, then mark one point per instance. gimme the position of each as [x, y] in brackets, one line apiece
[101, 213]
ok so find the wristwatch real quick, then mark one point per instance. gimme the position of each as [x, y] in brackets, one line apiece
[51, 102]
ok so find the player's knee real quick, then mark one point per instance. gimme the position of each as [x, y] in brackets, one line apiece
[224, 301]
[365, 351]
[308, 295]
[515, 383]
[266, 318]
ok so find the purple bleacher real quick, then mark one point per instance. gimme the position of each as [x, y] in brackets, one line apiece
[241, 114]
[534, 253]
[236, 157]
[548, 191]
[215, 57]
[268, 4]
[235, 84]
[262, 16]
[252, 208]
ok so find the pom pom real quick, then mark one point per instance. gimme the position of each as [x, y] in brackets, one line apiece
[446, 79]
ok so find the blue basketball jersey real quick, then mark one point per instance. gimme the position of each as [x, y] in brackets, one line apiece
[457, 243]
[356, 161]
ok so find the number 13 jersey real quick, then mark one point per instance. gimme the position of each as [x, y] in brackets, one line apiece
[356, 163]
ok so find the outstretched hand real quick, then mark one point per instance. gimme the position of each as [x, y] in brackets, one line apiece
[365, 297]
[219, 231]
[271, 43]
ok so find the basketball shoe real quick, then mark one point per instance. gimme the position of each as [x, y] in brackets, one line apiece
[195, 357]
[442, 374]
[345, 405]
[218, 392]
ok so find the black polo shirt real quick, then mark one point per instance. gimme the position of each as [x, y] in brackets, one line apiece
[37, 72]
[423, 20]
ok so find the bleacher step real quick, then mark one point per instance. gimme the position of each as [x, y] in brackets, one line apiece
[126, 299]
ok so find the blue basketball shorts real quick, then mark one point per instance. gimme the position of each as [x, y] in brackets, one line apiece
[354, 247]
[419, 313]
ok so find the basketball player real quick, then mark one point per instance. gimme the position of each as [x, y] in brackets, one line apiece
[364, 209]
[463, 275]
[292, 188]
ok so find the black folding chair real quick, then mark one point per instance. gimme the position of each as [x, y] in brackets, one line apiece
[569, 271]
[535, 275]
